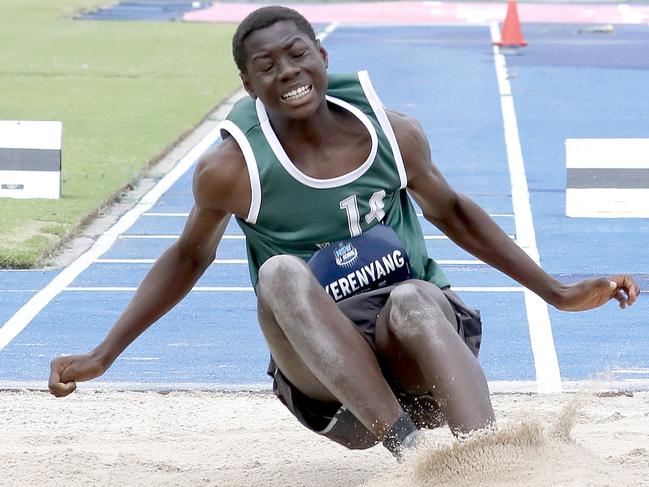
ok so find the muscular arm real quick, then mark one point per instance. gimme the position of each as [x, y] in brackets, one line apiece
[219, 190]
[464, 222]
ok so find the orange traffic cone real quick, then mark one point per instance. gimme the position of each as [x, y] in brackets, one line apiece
[511, 34]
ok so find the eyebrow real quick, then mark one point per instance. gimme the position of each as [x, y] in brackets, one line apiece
[290, 43]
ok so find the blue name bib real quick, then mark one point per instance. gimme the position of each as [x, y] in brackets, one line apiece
[369, 261]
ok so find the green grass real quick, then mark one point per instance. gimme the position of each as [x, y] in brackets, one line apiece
[124, 91]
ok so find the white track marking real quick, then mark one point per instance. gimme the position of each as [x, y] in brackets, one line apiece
[245, 262]
[328, 30]
[490, 289]
[156, 214]
[237, 237]
[641, 371]
[18, 290]
[468, 289]
[444, 237]
[151, 261]
[186, 214]
[493, 215]
[548, 376]
[28, 311]
[495, 387]
[134, 288]
[171, 237]
[459, 262]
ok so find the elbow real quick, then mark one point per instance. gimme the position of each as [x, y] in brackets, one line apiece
[447, 216]
[194, 259]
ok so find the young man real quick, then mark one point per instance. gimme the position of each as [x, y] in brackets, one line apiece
[368, 343]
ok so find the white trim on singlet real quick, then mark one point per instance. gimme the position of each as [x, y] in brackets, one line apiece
[251, 164]
[379, 111]
[285, 161]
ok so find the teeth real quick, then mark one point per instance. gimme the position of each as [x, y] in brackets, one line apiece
[296, 93]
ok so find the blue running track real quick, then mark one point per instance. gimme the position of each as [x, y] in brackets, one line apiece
[564, 84]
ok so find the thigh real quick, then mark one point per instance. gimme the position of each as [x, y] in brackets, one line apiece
[287, 359]
[400, 367]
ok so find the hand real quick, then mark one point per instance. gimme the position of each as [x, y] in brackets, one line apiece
[595, 292]
[66, 371]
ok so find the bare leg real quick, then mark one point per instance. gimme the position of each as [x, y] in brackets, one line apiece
[317, 348]
[416, 337]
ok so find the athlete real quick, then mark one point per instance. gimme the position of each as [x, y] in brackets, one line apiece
[368, 342]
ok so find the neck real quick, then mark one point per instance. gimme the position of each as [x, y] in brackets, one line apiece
[314, 129]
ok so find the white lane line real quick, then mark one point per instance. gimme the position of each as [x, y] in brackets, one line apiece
[171, 237]
[19, 290]
[186, 214]
[138, 359]
[495, 387]
[158, 214]
[328, 30]
[152, 237]
[468, 289]
[245, 262]
[641, 371]
[493, 215]
[125, 261]
[489, 289]
[29, 310]
[151, 261]
[444, 237]
[459, 262]
[548, 376]
[134, 288]
[238, 237]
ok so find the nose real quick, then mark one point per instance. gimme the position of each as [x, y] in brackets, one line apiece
[288, 69]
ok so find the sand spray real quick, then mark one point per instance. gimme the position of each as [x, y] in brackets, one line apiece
[522, 451]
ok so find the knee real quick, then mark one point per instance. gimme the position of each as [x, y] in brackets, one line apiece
[415, 310]
[280, 273]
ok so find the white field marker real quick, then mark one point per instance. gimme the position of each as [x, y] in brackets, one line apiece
[548, 376]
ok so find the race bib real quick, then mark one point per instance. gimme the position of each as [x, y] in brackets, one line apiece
[359, 264]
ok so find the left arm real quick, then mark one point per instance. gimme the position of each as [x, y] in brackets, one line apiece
[464, 222]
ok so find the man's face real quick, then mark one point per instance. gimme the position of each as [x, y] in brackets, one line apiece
[285, 70]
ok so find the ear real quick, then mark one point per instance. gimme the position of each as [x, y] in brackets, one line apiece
[323, 52]
[247, 85]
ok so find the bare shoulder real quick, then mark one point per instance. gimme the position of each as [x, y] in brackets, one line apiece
[221, 180]
[413, 143]
[425, 182]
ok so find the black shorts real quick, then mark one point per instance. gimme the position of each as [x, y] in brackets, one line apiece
[335, 421]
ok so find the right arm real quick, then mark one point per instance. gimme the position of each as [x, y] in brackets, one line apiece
[218, 192]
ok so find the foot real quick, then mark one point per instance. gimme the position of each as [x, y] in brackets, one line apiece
[411, 442]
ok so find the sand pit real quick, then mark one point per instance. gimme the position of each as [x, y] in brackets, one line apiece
[97, 437]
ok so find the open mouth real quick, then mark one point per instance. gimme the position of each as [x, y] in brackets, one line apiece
[297, 93]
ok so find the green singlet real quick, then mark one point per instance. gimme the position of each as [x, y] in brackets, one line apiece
[292, 213]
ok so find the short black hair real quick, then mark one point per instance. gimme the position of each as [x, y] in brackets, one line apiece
[260, 19]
